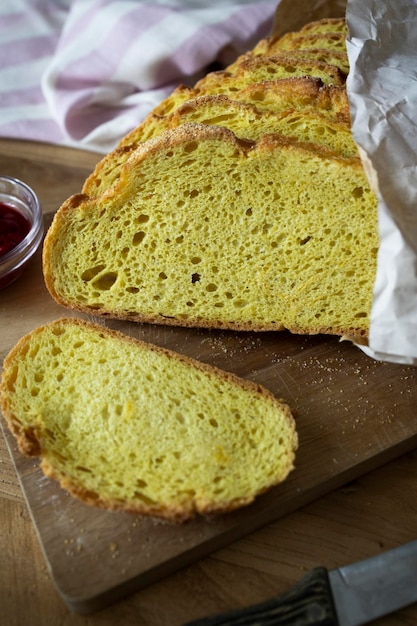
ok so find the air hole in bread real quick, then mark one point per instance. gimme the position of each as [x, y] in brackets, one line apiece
[106, 281]
[195, 277]
[34, 351]
[138, 237]
[142, 218]
[179, 417]
[92, 272]
[190, 147]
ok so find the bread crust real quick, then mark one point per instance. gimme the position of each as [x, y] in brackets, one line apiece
[31, 440]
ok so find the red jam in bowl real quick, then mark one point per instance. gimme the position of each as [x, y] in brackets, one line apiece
[21, 227]
[13, 228]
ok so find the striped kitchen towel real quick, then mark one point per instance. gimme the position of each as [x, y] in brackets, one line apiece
[84, 72]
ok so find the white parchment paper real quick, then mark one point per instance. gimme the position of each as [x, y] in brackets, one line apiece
[382, 89]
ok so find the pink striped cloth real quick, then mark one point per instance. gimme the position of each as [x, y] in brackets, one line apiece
[84, 72]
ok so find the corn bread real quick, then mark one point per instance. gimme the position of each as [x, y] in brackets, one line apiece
[281, 100]
[122, 424]
[265, 64]
[183, 239]
[160, 232]
[325, 25]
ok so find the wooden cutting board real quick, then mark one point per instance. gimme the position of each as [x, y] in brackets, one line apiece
[353, 414]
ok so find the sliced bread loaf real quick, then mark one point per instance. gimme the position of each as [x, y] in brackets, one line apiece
[282, 100]
[262, 64]
[245, 120]
[206, 230]
[125, 425]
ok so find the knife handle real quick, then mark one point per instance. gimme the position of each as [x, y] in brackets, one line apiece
[308, 603]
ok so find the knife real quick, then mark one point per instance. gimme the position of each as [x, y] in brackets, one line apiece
[348, 596]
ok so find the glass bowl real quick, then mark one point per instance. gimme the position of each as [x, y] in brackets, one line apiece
[21, 227]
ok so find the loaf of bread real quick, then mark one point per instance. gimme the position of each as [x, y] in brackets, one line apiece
[269, 63]
[206, 230]
[271, 107]
[122, 424]
[238, 203]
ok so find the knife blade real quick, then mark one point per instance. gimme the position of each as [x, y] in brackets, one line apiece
[352, 595]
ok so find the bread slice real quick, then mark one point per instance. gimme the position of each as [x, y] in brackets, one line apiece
[122, 424]
[258, 69]
[206, 230]
[280, 99]
[245, 120]
[249, 122]
[325, 25]
[337, 58]
[298, 41]
[301, 93]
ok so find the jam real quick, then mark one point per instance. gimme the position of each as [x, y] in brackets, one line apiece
[13, 228]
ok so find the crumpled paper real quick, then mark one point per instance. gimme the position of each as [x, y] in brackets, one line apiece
[382, 90]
